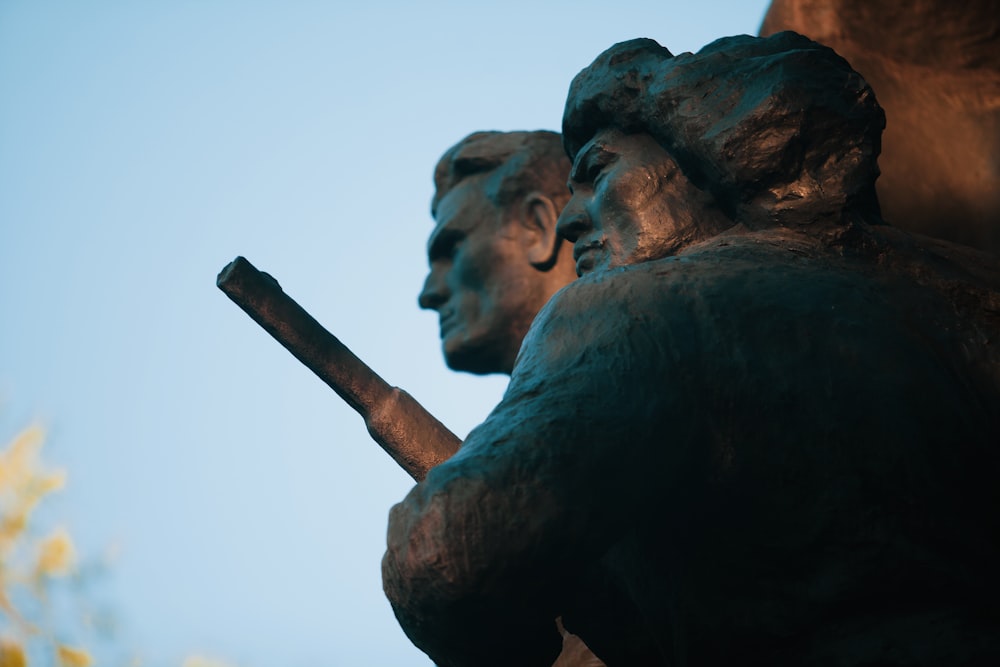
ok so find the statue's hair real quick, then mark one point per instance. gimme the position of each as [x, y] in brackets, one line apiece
[780, 130]
[514, 164]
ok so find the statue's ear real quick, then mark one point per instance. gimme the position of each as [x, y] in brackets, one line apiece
[538, 219]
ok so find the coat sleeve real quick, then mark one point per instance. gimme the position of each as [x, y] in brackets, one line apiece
[482, 553]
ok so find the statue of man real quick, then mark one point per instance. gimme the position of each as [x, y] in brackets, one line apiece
[495, 258]
[762, 427]
[494, 254]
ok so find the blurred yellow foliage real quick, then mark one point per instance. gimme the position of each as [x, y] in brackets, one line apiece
[27, 563]
[23, 483]
[73, 657]
[56, 554]
[11, 654]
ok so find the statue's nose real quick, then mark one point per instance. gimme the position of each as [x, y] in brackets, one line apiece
[573, 224]
[434, 293]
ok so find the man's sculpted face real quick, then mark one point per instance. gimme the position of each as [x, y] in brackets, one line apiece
[627, 205]
[476, 282]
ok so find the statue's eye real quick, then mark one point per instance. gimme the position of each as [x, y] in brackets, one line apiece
[596, 165]
[450, 247]
[594, 171]
[445, 245]
[589, 166]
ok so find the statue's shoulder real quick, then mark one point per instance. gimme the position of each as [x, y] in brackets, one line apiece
[747, 286]
[728, 264]
[690, 299]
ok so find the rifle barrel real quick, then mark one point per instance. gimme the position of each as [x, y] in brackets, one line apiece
[411, 435]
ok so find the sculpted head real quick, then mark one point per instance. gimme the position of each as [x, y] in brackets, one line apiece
[494, 254]
[671, 150]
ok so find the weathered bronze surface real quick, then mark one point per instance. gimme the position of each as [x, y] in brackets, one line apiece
[762, 428]
[935, 67]
[494, 255]
[413, 437]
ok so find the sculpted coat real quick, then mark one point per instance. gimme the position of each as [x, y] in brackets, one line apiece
[761, 428]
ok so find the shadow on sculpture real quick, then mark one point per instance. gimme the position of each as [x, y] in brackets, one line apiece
[761, 429]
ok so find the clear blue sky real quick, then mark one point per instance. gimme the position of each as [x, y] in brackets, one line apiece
[145, 144]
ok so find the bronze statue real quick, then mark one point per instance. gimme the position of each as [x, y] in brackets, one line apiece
[494, 255]
[762, 428]
[935, 66]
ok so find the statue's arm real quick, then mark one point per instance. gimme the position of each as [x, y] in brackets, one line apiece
[482, 553]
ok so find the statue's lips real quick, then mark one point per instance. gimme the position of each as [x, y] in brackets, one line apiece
[446, 323]
[585, 254]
